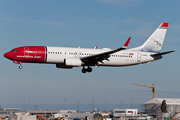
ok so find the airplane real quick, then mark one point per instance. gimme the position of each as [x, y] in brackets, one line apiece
[68, 58]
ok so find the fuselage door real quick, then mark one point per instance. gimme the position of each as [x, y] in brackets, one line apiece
[139, 57]
[26, 51]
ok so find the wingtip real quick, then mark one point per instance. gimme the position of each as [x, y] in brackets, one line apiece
[127, 43]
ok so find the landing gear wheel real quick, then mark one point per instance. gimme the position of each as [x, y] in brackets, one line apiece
[20, 67]
[89, 69]
[84, 70]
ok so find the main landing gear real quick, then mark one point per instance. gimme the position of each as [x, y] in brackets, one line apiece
[84, 70]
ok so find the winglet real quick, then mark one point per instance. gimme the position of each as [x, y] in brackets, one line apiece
[95, 47]
[127, 42]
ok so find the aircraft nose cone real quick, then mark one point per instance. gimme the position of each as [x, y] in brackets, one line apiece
[7, 55]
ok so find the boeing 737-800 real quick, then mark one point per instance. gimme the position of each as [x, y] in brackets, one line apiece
[68, 58]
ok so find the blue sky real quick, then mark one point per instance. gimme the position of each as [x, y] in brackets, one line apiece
[102, 23]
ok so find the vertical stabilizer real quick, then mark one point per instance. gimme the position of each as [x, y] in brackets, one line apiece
[155, 41]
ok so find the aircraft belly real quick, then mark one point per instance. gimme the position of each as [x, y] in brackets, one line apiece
[146, 59]
[119, 62]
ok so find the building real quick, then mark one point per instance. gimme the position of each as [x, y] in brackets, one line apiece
[9, 113]
[120, 112]
[153, 106]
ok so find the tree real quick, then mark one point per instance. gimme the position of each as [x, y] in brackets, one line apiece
[164, 107]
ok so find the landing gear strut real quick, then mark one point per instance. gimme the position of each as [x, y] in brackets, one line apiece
[89, 69]
[84, 70]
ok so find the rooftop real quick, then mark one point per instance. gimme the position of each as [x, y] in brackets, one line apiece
[169, 101]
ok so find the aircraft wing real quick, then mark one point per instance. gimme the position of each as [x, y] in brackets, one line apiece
[94, 59]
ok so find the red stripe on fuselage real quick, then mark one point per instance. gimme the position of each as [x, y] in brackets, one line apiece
[35, 54]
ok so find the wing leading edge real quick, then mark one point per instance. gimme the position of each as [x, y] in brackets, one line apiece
[94, 59]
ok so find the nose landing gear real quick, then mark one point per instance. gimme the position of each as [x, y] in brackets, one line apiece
[18, 62]
[84, 70]
[20, 67]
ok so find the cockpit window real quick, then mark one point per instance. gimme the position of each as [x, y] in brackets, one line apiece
[14, 50]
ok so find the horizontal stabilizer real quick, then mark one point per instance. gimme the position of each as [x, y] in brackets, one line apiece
[163, 53]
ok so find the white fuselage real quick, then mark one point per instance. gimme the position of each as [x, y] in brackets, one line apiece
[57, 55]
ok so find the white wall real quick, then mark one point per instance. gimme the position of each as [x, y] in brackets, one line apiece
[26, 117]
[119, 112]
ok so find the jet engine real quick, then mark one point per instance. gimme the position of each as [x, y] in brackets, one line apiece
[61, 65]
[74, 62]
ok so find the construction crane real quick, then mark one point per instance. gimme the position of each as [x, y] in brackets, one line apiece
[152, 86]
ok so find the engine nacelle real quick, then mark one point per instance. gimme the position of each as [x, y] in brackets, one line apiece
[61, 65]
[72, 62]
